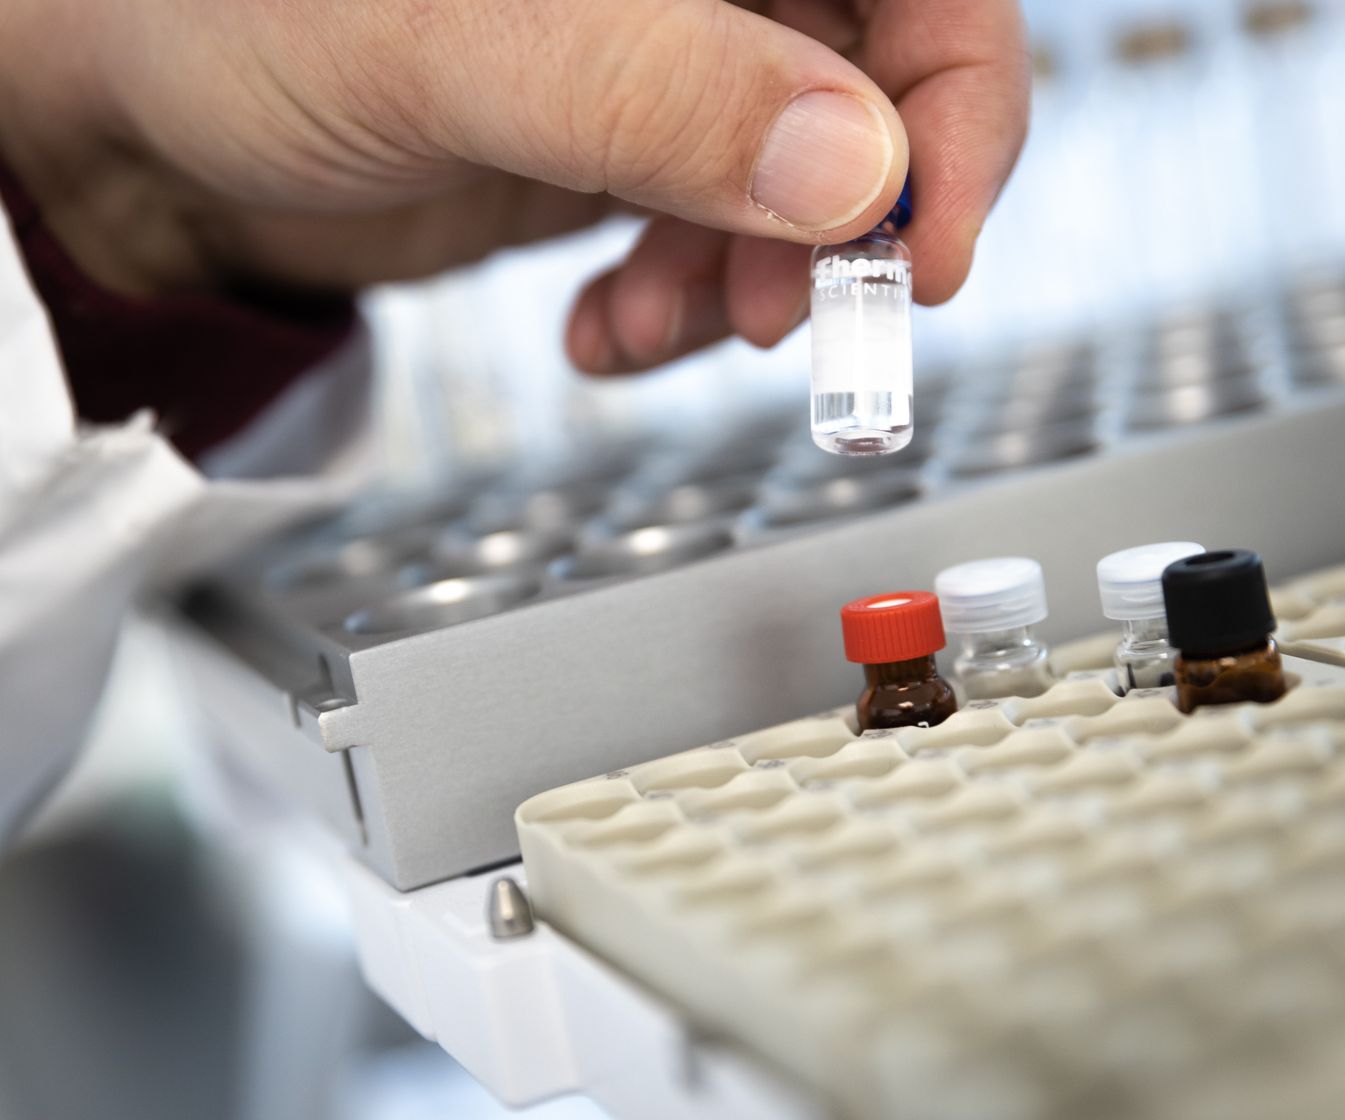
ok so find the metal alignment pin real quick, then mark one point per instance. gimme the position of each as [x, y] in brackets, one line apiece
[508, 911]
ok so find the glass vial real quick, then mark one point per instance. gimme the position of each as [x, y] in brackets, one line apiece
[992, 606]
[1220, 621]
[1130, 585]
[862, 381]
[895, 638]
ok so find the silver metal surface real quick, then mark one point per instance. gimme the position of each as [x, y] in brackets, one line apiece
[518, 546]
[547, 510]
[1023, 411]
[638, 508]
[1324, 365]
[1319, 295]
[783, 504]
[1194, 367]
[1318, 346]
[360, 558]
[378, 515]
[446, 602]
[1014, 450]
[654, 548]
[1193, 404]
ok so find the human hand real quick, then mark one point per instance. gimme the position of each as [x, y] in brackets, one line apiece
[189, 144]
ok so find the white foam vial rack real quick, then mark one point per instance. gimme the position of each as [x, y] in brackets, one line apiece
[1070, 905]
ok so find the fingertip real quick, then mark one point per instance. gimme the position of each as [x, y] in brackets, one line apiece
[831, 163]
[645, 312]
[939, 274]
[618, 329]
[965, 125]
[588, 337]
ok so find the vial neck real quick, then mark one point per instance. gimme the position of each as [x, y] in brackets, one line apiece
[999, 643]
[1261, 647]
[901, 672]
[1144, 631]
[886, 230]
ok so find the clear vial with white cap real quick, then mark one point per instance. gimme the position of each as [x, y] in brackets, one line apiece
[862, 381]
[1130, 584]
[992, 606]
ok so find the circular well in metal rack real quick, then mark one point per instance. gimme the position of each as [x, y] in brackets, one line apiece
[445, 603]
[1319, 298]
[1026, 448]
[386, 514]
[320, 565]
[1194, 367]
[548, 509]
[1318, 350]
[1014, 413]
[512, 547]
[1320, 367]
[654, 548]
[1193, 404]
[783, 504]
[813, 467]
[743, 457]
[682, 503]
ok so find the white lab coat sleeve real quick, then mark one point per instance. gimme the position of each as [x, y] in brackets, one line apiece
[85, 517]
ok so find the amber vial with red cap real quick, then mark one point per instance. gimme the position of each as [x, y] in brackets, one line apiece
[895, 638]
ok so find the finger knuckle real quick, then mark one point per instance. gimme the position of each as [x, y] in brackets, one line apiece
[662, 106]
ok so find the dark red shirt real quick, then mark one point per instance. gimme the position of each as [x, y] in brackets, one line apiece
[206, 365]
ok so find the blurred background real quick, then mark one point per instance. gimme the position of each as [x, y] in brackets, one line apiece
[1182, 153]
[161, 956]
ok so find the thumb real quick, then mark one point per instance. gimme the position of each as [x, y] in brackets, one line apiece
[696, 108]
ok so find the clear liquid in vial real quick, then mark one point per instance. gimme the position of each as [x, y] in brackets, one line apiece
[862, 364]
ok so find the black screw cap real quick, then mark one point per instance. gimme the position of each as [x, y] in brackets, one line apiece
[1217, 603]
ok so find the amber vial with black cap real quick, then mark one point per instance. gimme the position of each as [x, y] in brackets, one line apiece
[1220, 621]
[895, 638]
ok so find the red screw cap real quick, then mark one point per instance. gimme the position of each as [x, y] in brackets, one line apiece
[898, 626]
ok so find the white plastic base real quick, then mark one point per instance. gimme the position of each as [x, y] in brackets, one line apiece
[538, 1017]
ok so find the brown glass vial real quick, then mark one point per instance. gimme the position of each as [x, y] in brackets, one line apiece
[895, 638]
[1220, 621]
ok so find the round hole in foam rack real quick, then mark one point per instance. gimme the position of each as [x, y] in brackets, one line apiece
[654, 548]
[740, 887]
[584, 801]
[444, 603]
[686, 772]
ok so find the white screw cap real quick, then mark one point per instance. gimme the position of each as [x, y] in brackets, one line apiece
[998, 594]
[1130, 582]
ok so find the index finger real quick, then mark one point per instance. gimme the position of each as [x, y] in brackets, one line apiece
[959, 72]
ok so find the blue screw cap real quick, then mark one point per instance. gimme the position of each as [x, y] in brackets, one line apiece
[901, 213]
